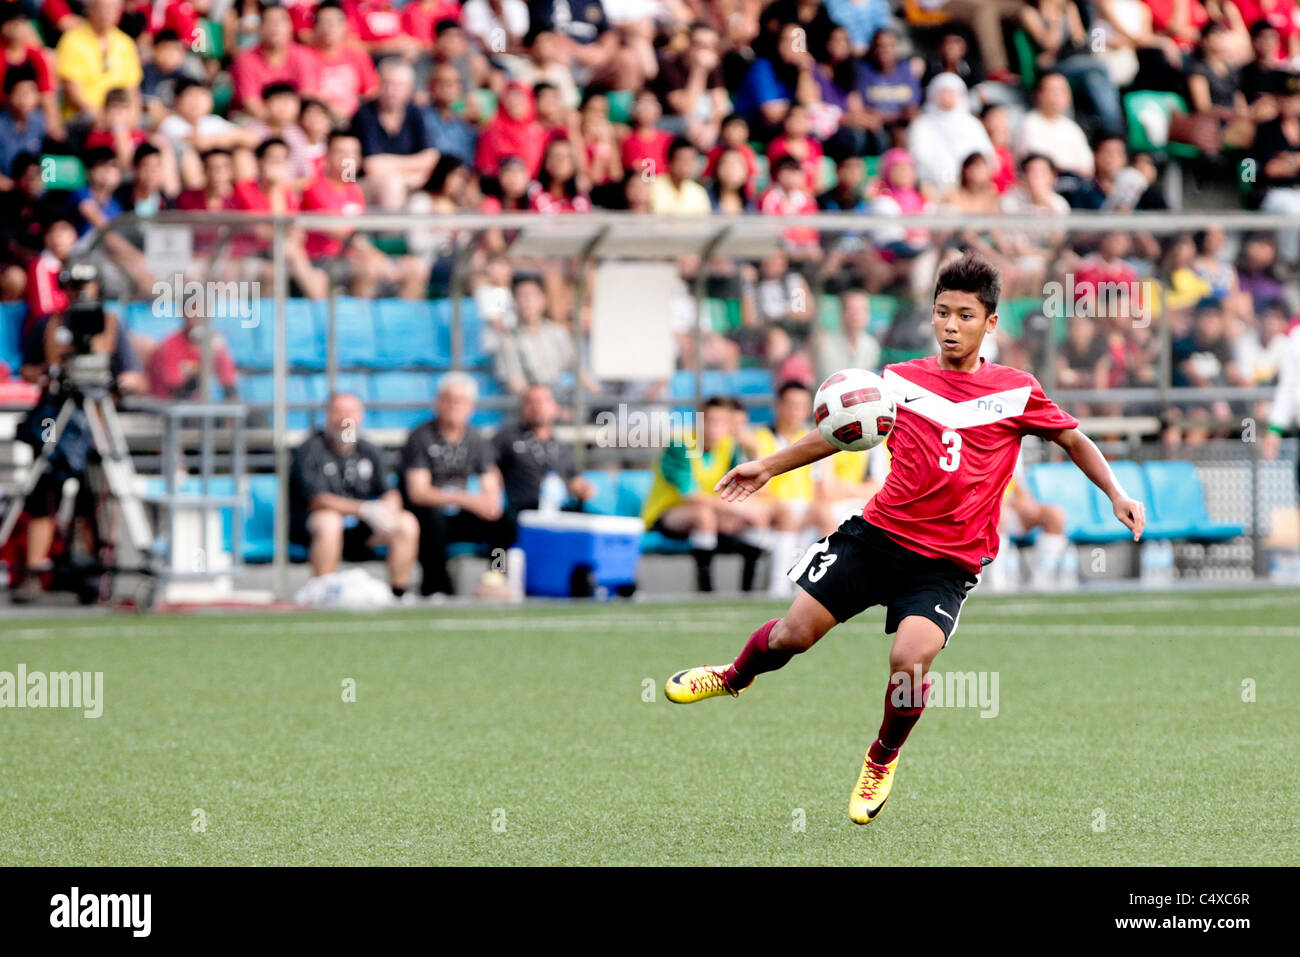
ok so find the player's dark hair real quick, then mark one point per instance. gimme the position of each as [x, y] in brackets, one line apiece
[974, 275]
[269, 144]
[21, 73]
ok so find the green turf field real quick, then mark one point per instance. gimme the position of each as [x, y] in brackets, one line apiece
[522, 737]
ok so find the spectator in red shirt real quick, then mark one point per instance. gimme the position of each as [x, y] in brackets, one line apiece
[117, 127]
[998, 125]
[336, 191]
[796, 140]
[272, 193]
[789, 196]
[45, 297]
[734, 136]
[514, 131]
[21, 45]
[377, 24]
[557, 189]
[277, 59]
[645, 151]
[218, 186]
[421, 17]
[347, 74]
[174, 367]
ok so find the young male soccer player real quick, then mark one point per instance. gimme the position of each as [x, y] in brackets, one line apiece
[922, 540]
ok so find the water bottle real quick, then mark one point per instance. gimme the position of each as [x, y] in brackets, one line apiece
[552, 494]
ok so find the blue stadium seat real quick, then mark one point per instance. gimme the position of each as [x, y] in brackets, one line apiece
[633, 489]
[1130, 476]
[1178, 503]
[259, 389]
[12, 315]
[354, 383]
[259, 524]
[408, 334]
[1061, 483]
[354, 331]
[304, 333]
[606, 485]
[251, 346]
[416, 388]
[140, 318]
[488, 386]
[755, 382]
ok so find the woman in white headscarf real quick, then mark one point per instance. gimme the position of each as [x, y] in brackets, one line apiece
[946, 133]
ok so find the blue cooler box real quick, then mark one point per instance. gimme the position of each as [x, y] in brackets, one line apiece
[556, 544]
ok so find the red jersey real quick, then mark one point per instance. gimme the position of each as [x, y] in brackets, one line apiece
[327, 196]
[952, 452]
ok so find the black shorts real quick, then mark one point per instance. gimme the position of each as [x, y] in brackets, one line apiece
[858, 566]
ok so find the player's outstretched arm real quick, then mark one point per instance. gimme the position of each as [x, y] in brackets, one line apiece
[1085, 454]
[744, 480]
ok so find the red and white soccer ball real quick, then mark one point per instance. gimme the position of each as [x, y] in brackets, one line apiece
[854, 410]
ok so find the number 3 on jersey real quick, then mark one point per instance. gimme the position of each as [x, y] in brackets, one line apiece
[950, 461]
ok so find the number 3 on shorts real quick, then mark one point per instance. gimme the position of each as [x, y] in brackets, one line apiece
[950, 461]
[825, 559]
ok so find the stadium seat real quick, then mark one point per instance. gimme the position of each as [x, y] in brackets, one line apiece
[259, 525]
[304, 333]
[12, 315]
[416, 388]
[140, 318]
[1134, 481]
[408, 334]
[829, 310]
[620, 105]
[1178, 502]
[755, 383]
[883, 309]
[354, 331]
[1061, 483]
[606, 486]
[633, 489]
[62, 172]
[303, 390]
[1148, 110]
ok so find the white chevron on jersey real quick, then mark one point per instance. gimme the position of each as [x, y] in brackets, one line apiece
[984, 410]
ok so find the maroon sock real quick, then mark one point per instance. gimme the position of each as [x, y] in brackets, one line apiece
[897, 725]
[756, 657]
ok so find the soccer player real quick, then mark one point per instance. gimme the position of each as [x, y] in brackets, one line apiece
[922, 540]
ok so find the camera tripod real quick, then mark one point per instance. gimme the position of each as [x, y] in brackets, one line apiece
[85, 388]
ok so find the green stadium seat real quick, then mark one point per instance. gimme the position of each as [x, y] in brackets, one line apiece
[829, 311]
[1140, 103]
[62, 172]
[620, 105]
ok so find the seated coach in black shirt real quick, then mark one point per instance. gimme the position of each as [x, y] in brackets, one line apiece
[340, 505]
[438, 461]
[528, 452]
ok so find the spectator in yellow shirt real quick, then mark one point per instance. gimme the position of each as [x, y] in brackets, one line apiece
[677, 193]
[96, 57]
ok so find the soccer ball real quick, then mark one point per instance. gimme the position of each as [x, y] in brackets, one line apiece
[854, 410]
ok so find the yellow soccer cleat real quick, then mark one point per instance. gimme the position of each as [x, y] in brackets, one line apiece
[872, 790]
[696, 684]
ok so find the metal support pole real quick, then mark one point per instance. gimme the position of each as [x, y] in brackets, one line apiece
[279, 418]
[583, 264]
[701, 286]
[331, 343]
[457, 287]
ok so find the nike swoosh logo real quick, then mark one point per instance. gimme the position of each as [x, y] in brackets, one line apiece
[944, 613]
[677, 678]
[912, 398]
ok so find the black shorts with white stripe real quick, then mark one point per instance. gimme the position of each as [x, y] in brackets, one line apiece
[858, 566]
